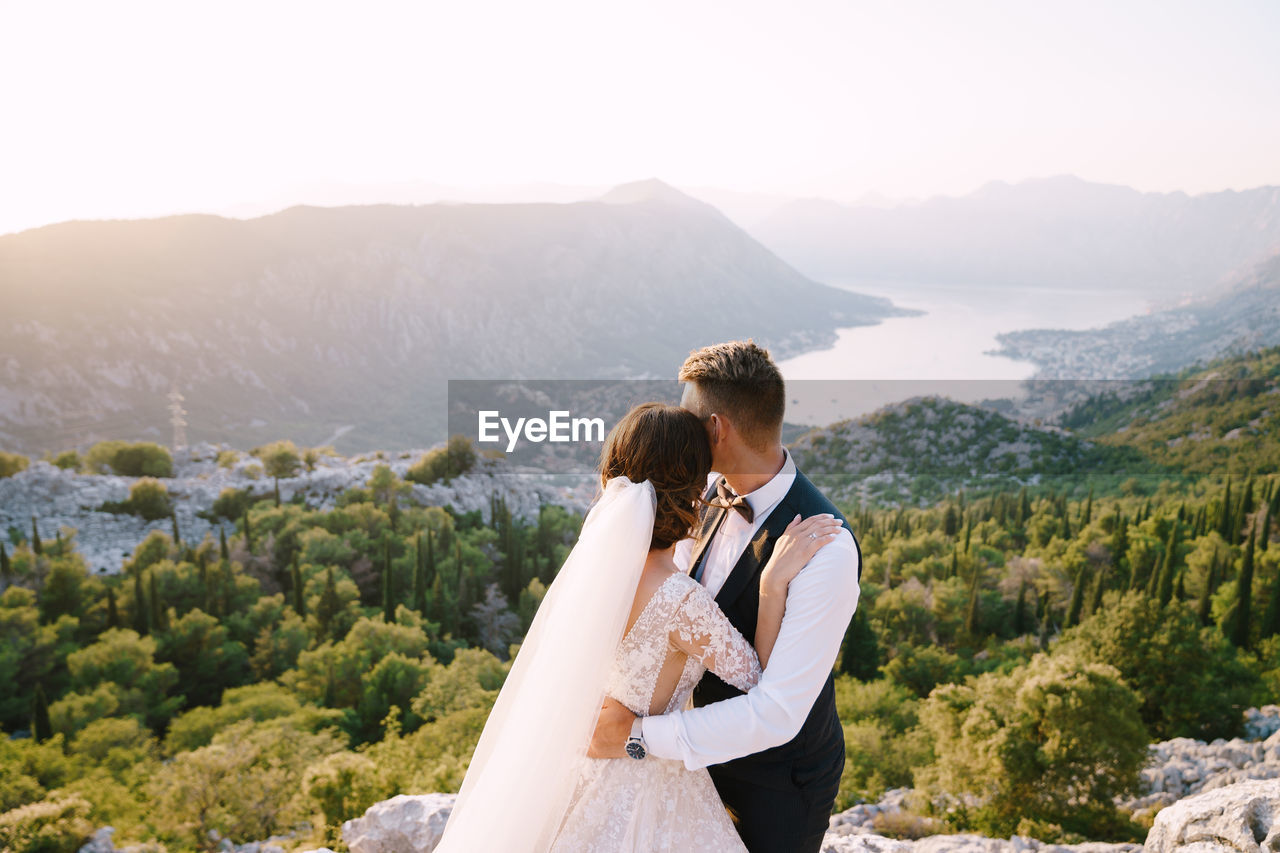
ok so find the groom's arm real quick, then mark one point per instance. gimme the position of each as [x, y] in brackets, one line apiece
[820, 602]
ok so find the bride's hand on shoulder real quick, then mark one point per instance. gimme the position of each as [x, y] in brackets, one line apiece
[795, 547]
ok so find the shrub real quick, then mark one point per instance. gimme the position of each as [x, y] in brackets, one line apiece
[140, 459]
[456, 458]
[1189, 679]
[148, 498]
[53, 825]
[1053, 742]
[12, 463]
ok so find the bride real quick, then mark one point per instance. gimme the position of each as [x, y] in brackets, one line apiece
[620, 620]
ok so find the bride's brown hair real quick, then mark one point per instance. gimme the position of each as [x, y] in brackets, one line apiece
[667, 446]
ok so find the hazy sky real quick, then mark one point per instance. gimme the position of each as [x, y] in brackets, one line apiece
[132, 108]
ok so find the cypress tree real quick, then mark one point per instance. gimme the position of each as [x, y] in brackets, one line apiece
[277, 492]
[388, 607]
[41, 727]
[1265, 538]
[113, 612]
[173, 519]
[1066, 526]
[1095, 596]
[968, 530]
[1244, 600]
[158, 621]
[4, 563]
[419, 601]
[140, 609]
[299, 593]
[228, 586]
[248, 532]
[430, 564]
[223, 551]
[1024, 507]
[1045, 620]
[1224, 515]
[861, 655]
[1119, 539]
[949, 523]
[57, 542]
[973, 615]
[329, 606]
[1076, 606]
[1271, 620]
[206, 598]
[955, 563]
[1180, 588]
[1167, 570]
[36, 545]
[1087, 515]
[1246, 500]
[1020, 622]
[1203, 606]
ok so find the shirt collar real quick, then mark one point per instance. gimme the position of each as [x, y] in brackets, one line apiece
[764, 498]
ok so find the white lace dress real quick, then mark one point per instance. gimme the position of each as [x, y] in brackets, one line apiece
[656, 804]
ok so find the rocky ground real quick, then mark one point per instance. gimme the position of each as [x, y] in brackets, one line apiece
[65, 499]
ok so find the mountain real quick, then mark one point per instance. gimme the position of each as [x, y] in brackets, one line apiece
[924, 448]
[1244, 317]
[1059, 232]
[342, 325]
[1210, 421]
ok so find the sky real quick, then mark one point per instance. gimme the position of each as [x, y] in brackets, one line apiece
[129, 109]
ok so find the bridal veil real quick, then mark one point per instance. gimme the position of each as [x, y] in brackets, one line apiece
[522, 773]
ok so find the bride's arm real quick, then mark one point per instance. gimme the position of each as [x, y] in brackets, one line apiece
[794, 548]
[701, 630]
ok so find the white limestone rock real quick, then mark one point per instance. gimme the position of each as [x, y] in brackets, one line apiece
[1239, 818]
[403, 824]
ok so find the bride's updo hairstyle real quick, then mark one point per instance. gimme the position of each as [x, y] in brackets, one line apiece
[667, 446]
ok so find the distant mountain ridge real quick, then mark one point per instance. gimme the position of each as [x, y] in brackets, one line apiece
[1244, 317]
[1058, 232]
[321, 320]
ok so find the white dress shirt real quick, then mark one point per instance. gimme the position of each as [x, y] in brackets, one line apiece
[820, 602]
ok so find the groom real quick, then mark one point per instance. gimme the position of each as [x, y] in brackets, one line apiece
[775, 753]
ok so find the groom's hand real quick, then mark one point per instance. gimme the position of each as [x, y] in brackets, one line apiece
[609, 740]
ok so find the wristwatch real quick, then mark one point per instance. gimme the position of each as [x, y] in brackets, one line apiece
[635, 743]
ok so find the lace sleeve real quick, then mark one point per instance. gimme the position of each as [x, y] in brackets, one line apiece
[701, 630]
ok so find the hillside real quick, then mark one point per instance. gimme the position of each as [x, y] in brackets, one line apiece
[1059, 232]
[341, 325]
[924, 448]
[1213, 421]
[1244, 317]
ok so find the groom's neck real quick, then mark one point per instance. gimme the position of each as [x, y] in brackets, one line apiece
[751, 469]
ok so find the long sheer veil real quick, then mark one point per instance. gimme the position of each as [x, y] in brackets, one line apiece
[522, 773]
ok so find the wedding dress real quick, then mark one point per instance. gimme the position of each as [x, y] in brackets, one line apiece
[530, 787]
[655, 804]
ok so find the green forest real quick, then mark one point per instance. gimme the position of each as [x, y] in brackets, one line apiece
[1014, 651]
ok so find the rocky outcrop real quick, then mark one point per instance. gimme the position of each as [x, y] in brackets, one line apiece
[62, 498]
[1240, 818]
[403, 824]
[1183, 767]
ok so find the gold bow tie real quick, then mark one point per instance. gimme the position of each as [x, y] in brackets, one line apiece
[727, 498]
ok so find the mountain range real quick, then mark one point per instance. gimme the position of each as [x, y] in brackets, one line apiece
[341, 325]
[1057, 232]
[1243, 317]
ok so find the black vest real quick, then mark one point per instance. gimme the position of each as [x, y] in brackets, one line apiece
[821, 738]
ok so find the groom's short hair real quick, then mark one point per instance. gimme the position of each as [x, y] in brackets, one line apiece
[739, 380]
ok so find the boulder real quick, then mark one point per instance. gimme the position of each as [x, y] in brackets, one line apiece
[403, 824]
[1240, 817]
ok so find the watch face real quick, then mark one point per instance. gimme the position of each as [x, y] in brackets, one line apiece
[635, 750]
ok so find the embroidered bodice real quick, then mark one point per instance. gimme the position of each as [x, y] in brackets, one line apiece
[679, 635]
